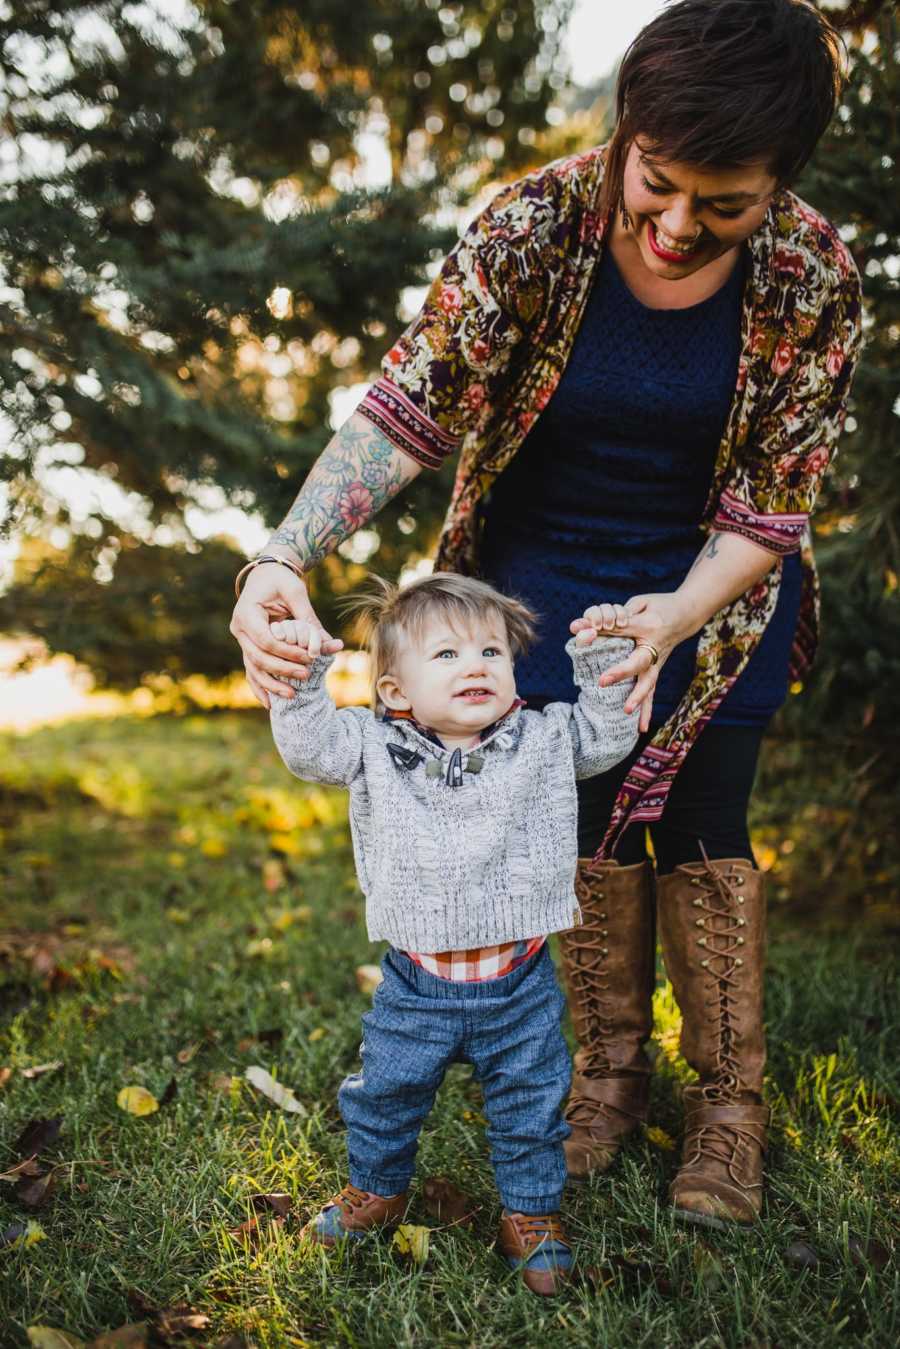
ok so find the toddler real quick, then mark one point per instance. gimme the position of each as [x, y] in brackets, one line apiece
[463, 817]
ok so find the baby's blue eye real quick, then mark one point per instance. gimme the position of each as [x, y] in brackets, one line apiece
[491, 651]
[447, 651]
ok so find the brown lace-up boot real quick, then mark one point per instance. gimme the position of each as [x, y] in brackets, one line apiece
[609, 966]
[712, 919]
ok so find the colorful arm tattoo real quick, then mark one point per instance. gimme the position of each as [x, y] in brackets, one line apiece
[355, 475]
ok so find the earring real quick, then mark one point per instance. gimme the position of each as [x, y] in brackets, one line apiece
[623, 213]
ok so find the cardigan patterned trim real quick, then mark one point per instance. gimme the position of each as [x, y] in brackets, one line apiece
[483, 357]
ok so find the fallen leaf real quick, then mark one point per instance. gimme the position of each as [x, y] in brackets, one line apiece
[279, 1201]
[273, 875]
[185, 1055]
[5, 1075]
[660, 1138]
[447, 1203]
[412, 1241]
[271, 1037]
[48, 1337]
[867, 1253]
[318, 1034]
[263, 947]
[222, 1081]
[179, 1319]
[801, 1255]
[248, 1231]
[282, 1096]
[34, 1193]
[27, 1168]
[37, 1136]
[125, 1337]
[368, 977]
[28, 1234]
[137, 1101]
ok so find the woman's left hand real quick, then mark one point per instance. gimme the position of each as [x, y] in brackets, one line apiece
[657, 620]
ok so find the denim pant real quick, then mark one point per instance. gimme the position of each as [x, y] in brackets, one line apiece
[509, 1030]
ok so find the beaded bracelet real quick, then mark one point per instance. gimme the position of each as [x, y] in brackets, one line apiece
[256, 561]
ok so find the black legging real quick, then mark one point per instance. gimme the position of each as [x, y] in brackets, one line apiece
[708, 802]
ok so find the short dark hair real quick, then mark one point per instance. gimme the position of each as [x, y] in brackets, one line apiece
[722, 83]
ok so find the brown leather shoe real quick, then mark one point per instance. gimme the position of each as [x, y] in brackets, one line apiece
[352, 1213]
[539, 1246]
[712, 918]
[608, 961]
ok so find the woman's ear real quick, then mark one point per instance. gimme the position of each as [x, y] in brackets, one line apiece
[391, 694]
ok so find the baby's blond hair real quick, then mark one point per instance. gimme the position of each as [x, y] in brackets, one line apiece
[391, 612]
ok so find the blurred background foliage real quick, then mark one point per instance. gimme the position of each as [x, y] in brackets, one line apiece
[199, 262]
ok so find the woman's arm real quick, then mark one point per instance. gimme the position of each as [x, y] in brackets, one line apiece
[355, 475]
[727, 566]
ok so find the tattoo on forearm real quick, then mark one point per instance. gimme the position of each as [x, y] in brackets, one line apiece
[709, 549]
[355, 475]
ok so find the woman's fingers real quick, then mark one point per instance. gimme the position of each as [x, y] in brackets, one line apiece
[646, 712]
[639, 662]
[644, 686]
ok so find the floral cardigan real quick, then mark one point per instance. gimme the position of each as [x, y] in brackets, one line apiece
[482, 359]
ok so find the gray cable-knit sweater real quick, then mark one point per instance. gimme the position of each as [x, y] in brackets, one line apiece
[467, 848]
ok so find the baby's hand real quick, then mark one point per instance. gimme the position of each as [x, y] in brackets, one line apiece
[584, 636]
[299, 633]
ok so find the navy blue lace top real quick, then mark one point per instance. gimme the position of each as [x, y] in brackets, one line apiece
[604, 498]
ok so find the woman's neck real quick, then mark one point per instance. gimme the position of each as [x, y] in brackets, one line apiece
[655, 291]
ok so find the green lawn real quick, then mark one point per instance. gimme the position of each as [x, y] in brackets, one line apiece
[176, 908]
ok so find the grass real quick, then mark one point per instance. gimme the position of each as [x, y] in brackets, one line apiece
[172, 897]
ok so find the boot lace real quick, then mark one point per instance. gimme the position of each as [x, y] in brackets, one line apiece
[720, 937]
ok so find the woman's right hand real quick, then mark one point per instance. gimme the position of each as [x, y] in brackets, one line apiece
[274, 592]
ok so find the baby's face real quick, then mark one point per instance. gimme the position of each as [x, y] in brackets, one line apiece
[455, 682]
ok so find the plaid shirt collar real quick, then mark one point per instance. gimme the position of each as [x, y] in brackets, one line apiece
[432, 736]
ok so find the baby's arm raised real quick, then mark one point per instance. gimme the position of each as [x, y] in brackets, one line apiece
[601, 731]
[317, 742]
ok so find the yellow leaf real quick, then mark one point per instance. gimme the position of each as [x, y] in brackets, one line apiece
[33, 1234]
[368, 977]
[73, 929]
[137, 1101]
[175, 859]
[412, 1241]
[317, 1034]
[660, 1138]
[47, 1337]
[281, 1095]
[283, 921]
[178, 916]
[288, 844]
[262, 947]
[213, 847]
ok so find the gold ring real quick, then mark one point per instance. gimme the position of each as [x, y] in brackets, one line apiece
[648, 646]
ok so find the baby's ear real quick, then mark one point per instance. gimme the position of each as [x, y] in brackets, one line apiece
[391, 694]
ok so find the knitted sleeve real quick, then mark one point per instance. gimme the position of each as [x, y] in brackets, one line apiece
[318, 742]
[600, 731]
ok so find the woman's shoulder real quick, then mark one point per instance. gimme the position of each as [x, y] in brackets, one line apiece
[558, 191]
[807, 245]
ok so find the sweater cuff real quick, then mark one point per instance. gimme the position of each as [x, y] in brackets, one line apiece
[316, 677]
[590, 662]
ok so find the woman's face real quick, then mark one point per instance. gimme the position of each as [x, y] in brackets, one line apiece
[684, 217]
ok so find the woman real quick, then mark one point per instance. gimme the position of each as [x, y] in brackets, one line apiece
[644, 355]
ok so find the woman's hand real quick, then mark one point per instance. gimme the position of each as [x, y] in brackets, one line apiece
[272, 591]
[660, 620]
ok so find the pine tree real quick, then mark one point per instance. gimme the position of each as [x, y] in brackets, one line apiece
[190, 268]
[839, 746]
